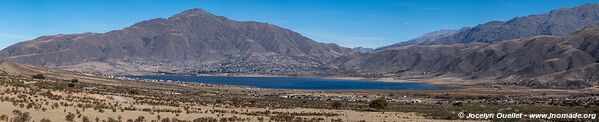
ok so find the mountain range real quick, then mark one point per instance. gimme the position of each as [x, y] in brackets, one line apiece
[191, 37]
[556, 22]
[558, 49]
[570, 61]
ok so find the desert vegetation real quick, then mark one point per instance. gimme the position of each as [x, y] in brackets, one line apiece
[36, 99]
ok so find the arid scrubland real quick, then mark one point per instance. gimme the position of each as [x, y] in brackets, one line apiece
[30, 99]
[25, 98]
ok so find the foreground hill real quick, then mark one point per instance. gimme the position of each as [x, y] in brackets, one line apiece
[544, 61]
[191, 37]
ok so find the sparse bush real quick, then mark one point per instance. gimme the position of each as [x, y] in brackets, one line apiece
[70, 117]
[379, 104]
[337, 104]
[336, 120]
[4, 117]
[45, 120]
[110, 119]
[458, 104]
[85, 119]
[205, 119]
[132, 92]
[139, 119]
[166, 120]
[22, 117]
[39, 76]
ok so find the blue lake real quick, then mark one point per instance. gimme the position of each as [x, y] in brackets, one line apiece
[297, 83]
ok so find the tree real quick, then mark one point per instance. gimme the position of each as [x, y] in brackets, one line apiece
[379, 104]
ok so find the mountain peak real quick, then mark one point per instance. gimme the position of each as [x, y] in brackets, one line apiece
[189, 38]
[193, 12]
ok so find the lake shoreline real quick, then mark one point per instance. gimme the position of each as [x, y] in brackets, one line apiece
[386, 79]
[298, 83]
[442, 81]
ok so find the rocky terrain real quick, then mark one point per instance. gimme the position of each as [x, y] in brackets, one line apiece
[543, 61]
[191, 37]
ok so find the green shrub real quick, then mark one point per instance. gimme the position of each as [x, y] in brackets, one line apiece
[379, 104]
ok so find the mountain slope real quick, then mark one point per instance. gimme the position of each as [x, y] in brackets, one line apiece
[557, 22]
[544, 61]
[191, 37]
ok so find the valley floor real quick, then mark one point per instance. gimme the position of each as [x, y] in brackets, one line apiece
[96, 98]
[27, 99]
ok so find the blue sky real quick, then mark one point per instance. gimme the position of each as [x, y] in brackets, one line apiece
[350, 23]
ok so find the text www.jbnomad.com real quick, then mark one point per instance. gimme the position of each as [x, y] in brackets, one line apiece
[463, 115]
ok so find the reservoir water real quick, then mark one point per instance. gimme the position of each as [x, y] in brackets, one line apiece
[297, 83]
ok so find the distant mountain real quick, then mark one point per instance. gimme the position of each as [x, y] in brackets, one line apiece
[557, 22]
[425, 38]
[523, 51]
[363, 49]
[188, 38]
[570, 61]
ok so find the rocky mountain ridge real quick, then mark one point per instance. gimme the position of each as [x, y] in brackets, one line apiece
[556, 22]
[570, 61]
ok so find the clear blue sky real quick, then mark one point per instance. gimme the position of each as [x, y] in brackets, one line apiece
[350, 23]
